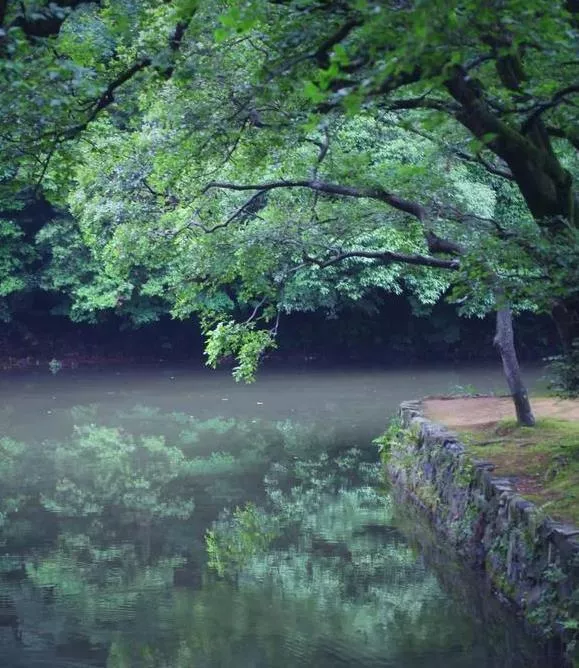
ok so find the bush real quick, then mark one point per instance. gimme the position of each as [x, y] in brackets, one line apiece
[564, 370]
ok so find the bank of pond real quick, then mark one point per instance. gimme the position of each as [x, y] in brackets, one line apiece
[475, 490]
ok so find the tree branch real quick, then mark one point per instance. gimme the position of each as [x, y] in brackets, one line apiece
[255, 310]
[175, 44]
[437, 244]
[558, 98]
[252, 206]
[321, 56]
[46, 163]
[422, 102]
[454, 213]
[386, 257]
[410, 207]
[106, 98]
[508, 144]
[573, 139]
[504, 173]
[388, 86]
[324, 146]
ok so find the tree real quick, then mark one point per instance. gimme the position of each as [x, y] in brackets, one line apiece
[252, 129]
[62, 64]
[495, 81]
[239, 150]
[506, 80]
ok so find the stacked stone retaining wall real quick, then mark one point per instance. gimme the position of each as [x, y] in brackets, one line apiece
[530, 560]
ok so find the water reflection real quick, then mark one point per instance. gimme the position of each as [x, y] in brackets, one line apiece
[142, 538]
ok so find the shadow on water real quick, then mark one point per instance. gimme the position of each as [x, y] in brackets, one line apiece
[205, 527]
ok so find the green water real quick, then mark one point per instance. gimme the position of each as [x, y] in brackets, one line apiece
[170, 518]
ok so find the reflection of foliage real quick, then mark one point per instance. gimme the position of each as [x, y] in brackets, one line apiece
[18, 481]
[322, 558]
[333, 570]
[306, 556]
[103, 470]
[103, 508]
[92, 587]
[300, 495]
[252, 533]
[145, 465]
[10, 453]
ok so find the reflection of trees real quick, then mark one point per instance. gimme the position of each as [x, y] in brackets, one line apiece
[337, 572]
[97, 590]
[141, 467]
[110, 520]
[347, 574]
[103, 472]
[111, 516]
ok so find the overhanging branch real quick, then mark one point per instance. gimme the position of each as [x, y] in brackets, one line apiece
[322, 54]
[435, 243]
[386, 257]
[410, 207]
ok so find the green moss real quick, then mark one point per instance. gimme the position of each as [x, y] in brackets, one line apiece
[462, 528]
[428, 494]
[544, 461]
[464, 473]
[502, 584]
[500, 547]
[529, 540]
[395, 439]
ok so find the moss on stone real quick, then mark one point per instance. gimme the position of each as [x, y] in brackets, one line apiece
[464, 474]
[428, 494]
[543, 461]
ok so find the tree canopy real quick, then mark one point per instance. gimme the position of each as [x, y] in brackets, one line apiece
[242, 161]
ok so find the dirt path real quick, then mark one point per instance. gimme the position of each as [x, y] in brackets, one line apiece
[482, 412]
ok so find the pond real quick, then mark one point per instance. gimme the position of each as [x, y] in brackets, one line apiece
[168, 518]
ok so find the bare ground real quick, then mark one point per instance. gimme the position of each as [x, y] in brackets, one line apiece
[468, 413]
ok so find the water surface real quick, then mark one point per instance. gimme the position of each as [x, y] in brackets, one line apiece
[166, 517]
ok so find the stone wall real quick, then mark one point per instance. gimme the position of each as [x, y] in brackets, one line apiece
[530, 560]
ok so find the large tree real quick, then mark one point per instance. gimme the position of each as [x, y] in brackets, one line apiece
[240, 149]
[504, 74]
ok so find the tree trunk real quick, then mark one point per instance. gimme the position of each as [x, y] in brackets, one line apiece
[505, 343]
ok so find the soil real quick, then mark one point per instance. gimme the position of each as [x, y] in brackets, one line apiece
[542, 463]
[473, 413]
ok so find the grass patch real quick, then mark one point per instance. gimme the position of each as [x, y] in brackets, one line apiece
[543, 461]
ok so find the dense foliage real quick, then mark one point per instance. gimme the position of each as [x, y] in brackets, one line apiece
[240, 161]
